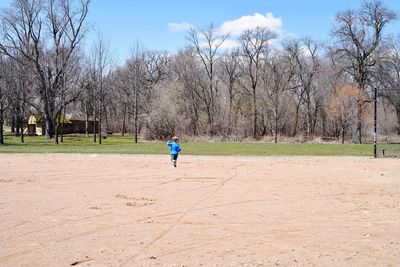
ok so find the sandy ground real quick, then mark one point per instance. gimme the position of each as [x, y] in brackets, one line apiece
[113, 210]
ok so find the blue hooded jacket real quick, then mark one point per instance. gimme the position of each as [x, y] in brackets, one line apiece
[175, 148]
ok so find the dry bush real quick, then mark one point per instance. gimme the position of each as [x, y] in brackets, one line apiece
[343, 108]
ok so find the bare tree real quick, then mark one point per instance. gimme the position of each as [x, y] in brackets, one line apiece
[358, 37]
[141, 73]
[71, 87]
[343, 107]
[120, 85]
[87, 98]
[254, 48]
[189, 76]
[156, 65]
[206, 44]
[231, 76]
[4, 97]
[388, 75]
[136, 75]
[305, 59]
[101, 68]
[44, 35]
[277, 75]
[16, 78]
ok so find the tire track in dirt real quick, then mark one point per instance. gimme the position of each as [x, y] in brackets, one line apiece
[15, 255]
[160, 184]
[61, 224]
[30, 221]
[181, 217]
[200, 245]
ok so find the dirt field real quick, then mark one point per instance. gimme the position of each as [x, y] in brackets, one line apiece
[90, 210]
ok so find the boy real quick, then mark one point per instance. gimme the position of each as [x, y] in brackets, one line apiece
[175, 149]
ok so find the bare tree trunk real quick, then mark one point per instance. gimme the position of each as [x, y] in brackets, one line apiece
[1, 133]
[87, 115]
[323, 117]
[398, 120]
[210, 121]
[1, 127]
[21, 124]
[296, 122]
[357, 133]
[87, 125]
[56, 130]
[276, 125]
[124, 121]
[62, 132]
[255, 134]
[230, 112]
[195, 120]
[62, 126]
[100, 121]
[343, 135]
[136, 127]
[308, 123]
[49, 125]
[314, 119]
[94, 125]
[135, 118]
[17, 124]
[13, 124]
[106, 117]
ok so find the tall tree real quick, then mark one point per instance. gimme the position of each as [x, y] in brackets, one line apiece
[44, 35]
[189, 76]
[254, 49]
[358, 38]
[71, 87]
[101, 68]
[4, 97]
[305, 60]
[231, 76]
[277, 75]
[142, 71]
[388, 75]
[206, 43]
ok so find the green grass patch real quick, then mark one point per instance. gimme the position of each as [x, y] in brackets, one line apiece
[124, 145]
[6, 128]
[389, 149]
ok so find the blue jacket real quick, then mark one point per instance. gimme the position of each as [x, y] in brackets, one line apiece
[175, 148]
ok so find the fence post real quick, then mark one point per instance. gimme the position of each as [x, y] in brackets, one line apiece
[375, 120]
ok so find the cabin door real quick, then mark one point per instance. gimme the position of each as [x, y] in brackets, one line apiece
[32, 129]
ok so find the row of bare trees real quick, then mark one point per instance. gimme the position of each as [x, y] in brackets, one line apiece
[261, 87]
[43, 38]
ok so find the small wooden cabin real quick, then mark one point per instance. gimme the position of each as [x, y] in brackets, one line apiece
[37, 126]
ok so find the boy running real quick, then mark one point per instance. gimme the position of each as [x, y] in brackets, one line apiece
[175, 149]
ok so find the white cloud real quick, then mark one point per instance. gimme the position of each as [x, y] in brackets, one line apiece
[238, 26]
[177, 27]
[230, 44]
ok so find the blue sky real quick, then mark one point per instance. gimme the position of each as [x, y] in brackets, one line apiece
[124, 22]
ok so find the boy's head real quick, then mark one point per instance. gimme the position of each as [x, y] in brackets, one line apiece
[175, 139]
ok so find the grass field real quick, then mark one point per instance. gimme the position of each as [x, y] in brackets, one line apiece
[124, 145]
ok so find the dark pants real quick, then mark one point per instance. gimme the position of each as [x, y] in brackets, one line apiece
[174, 156]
